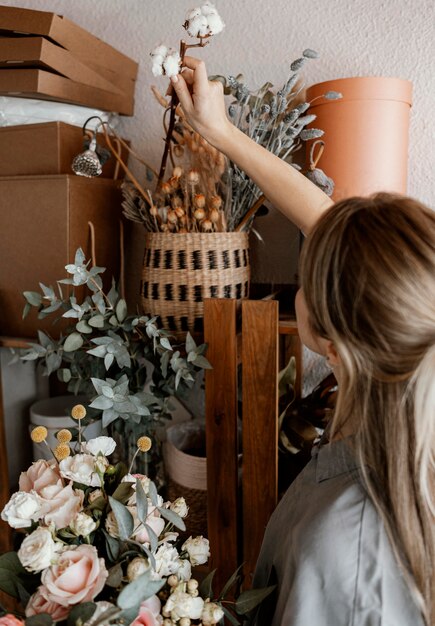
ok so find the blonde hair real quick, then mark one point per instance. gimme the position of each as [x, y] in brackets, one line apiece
[368, 273]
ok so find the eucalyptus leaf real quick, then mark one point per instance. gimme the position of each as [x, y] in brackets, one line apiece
[152, 492]
[73, 342]
[115, 576]
[139, 590]
[231, 581]
[112, 546]
[141, 502]
[33, 298]
[83, 327]
[123, 492]
[124, 520]
[206, 586]
[42, 619]
[230, 616]
[97, 321]
[251, 598]
[172, 517]
[121, 310]
[81, 613]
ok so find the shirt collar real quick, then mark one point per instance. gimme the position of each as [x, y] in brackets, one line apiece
[335, 458]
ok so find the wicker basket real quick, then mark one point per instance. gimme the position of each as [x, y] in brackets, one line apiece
[181, 270]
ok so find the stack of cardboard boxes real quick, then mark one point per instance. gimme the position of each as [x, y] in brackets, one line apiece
[46, 212]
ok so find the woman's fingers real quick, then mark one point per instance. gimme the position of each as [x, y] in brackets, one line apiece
[199, 73]
[183, 93]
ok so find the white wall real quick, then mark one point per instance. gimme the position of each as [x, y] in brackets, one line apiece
[364, 37]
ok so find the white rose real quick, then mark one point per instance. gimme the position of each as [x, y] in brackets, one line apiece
[180, 507]
[38, 550]
[22, 509]
[181, 604]
[184, 571]
[211, 613]
[94, 495]
[81, 469]
[136, 568]
[167, 560]
[198, 549]
[83, 525]
[100, 445]
[169, 537]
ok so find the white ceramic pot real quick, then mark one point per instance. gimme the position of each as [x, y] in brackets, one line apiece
[54, 414]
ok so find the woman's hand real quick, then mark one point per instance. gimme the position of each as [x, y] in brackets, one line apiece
[202, 101]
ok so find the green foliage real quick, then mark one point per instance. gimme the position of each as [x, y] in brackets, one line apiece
[110, 355]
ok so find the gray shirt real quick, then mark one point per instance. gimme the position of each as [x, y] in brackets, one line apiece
[326, 549]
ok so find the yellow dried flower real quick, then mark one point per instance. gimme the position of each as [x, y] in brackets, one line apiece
[39, 434]
[64, 436]
[144, 444]
[78, 412]
[62, 451]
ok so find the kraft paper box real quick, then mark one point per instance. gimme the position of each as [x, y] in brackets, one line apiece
[46, 148]
[27, 52]
[82, 44]
[35, 83]
[43, 220]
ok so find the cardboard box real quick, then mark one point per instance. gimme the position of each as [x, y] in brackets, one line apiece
[92, 51]
[43, 220]
[27, 52]
[33, 83]
[47, 148]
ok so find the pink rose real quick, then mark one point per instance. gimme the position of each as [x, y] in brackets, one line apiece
[39, 603]
[60, 504]
[149, 613]
[39, 476]
[10, 620]
[78, 576]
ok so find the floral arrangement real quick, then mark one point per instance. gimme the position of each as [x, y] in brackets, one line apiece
[102, 547]
[206, 193]
[109, 355]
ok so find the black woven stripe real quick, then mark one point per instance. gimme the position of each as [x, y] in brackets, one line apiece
[168, 259]
[170, 322]
[157, 257]
[212, 264]
[197, 293]
[198, 325]
[184, 323]
[145, 289]
[227, 291]
[238, 291]
[155, 291]
[168, 291]
[213, 291]
[197, 260]
[182, 293]
[226, 259]
[237, 258]
[181, 259]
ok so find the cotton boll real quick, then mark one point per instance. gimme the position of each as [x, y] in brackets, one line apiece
[193, 13]
[208, 9]
[198, 26]
[171, 64]
[215, 23]
[160, 51]
[157, 69]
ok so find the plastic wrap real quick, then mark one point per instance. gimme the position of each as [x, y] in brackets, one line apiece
[17, 111]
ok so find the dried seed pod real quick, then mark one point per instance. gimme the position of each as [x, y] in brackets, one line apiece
[172, 227]
[182, 220]
[172, 217]
[182, 230]
[178, 151]
[193, 177]
[179, 211]
[176, 201]
[215, 202]
[214, 216]
[166, 187]
[164, 227]
[207, 226]
[177, 172]
[199, 214]
[154, 211]
[199, 200]
[174, 182]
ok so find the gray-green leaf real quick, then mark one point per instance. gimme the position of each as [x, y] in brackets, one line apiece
[124, 519]
[73, 342]
[139, 590]
[248, 600]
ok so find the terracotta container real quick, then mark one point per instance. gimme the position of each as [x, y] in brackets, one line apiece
[366, 133]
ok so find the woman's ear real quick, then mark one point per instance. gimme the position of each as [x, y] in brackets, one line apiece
[331, 354]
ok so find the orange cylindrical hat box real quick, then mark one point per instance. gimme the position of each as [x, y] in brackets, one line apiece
[366, 133]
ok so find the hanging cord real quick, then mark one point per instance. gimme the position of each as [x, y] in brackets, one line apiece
[314, 159]
[93, 255]
[121, 260]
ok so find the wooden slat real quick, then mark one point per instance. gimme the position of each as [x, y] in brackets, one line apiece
[221, 434]
[260, 431]
[5, 533]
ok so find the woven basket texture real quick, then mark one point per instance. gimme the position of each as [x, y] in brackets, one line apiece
[181, 270]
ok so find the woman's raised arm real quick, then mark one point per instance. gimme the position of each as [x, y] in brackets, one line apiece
[288, 190]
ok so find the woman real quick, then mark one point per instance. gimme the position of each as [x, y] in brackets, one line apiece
[353, 541]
